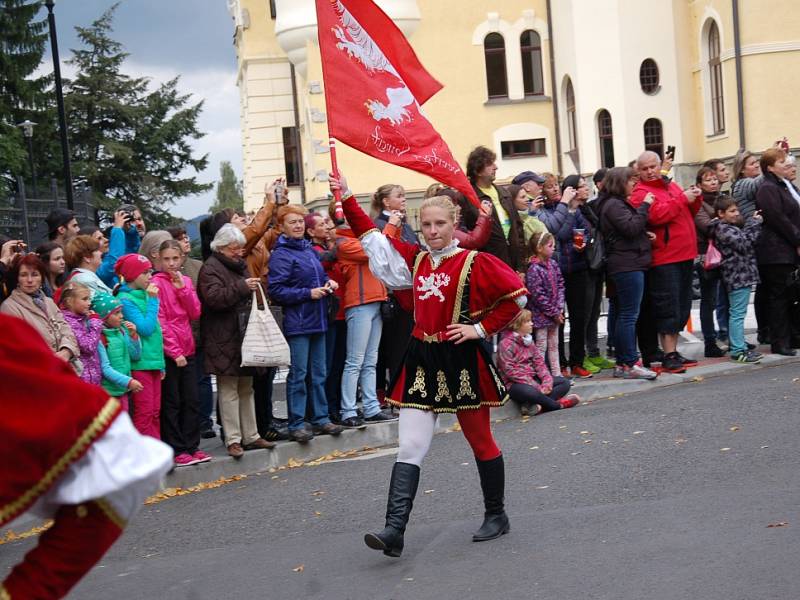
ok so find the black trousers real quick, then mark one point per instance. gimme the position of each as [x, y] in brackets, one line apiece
[646, 332]
[180, 411]
[778, 302]
[594, 299]
[576, 294]
[262, 396]
[333, 384]
[526, 395]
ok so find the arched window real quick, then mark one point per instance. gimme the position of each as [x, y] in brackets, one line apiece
[715, 80]
[654, 136]
[494, 49]
[605, 132]
[532, 78]
[572, 117]
[649, 76]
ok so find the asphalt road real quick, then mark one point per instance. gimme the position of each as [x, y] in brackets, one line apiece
[669, 494]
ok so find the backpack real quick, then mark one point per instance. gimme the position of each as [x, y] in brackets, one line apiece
[596, 247]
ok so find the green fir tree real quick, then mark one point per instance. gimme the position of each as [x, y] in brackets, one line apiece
[229, 189]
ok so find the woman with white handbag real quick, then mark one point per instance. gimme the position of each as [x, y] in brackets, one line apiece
[225, 295]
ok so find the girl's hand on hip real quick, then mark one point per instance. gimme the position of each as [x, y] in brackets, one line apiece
[459, 333]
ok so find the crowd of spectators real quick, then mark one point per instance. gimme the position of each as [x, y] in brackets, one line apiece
[130, 310]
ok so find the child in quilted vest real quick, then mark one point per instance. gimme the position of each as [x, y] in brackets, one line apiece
[119, 345]
[140, 304]
[178, 307]
[545, 297]
[75, 303]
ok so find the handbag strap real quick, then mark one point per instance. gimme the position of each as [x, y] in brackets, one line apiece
[256, 292]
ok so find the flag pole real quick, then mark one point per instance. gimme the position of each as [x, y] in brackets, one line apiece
[337, 194]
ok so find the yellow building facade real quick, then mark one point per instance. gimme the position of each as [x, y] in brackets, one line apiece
[624, 75]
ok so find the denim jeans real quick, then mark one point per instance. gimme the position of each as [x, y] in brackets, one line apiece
[364, 326]
[709, 294]
[630, 288]
[723, 307]
[307, 354]
[738, 300]
[611, 322]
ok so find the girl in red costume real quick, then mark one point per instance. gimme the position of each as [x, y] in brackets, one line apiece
[71, 454]
[459, 298]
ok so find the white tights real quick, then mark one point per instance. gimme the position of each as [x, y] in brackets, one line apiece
[415, 433]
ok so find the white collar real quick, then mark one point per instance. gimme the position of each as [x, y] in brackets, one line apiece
[437, 256]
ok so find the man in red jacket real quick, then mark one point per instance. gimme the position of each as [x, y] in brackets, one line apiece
[671, 219]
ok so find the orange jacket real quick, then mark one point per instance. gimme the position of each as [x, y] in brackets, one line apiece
[360, 285]
[260, 236]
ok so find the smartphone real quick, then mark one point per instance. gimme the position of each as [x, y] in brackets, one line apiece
[671, 151]
[278, 192]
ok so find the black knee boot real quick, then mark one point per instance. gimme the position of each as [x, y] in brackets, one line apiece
[495, 522]
[402, 490]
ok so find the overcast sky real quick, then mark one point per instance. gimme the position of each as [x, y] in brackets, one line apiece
[190, 38]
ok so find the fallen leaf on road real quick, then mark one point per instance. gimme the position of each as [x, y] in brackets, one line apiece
[542, 487]
[680, 440]
[779, 524]
[173, 492]
[697, 378]
[429, 491]
[764, 447]
[724, 449]
[12, 536]
[735, 428]
[575, 453]
[587, 441]
[638, 432]
[454, 427]
[408, 579]
[562, 426]
[299, 568]
[533, 448]
[317, 493]
[586, 432]
[317, 513]
[464, 464]
[611, 397]
[525, 419]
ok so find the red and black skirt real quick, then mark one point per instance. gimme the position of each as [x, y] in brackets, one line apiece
[445, 377]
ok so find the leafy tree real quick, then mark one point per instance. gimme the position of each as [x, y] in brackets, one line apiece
[130, 143]
[229, 189]
[22, 45]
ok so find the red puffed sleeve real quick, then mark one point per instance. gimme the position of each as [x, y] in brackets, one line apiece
[494, 290]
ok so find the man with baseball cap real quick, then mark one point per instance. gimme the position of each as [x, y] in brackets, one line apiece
[61, 225]
[532, 184]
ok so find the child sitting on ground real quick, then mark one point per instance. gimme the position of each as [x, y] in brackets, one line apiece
[76, 305]
[119, 345]
[739, 270]
[545, 297]
[530, 385]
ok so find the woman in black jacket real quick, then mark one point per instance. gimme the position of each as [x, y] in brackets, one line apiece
[779, 245]
[627, 246]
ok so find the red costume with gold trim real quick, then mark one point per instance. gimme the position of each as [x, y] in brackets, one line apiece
[52, 421]
[462, 287]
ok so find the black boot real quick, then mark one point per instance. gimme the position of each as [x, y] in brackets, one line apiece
[712, 350]
[493, 480]
[402, 490]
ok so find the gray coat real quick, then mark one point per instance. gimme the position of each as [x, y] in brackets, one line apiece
[738, 248]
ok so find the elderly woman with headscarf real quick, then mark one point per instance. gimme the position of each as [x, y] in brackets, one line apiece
[225, 291]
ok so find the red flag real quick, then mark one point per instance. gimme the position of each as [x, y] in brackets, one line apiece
[374, 86]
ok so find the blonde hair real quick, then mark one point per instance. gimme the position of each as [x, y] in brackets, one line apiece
[522, 317]
[442, 202]
[538, 241]
[381, 194]
[69, 290]
[433, 190]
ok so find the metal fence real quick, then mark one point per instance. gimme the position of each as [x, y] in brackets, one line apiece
[22, 217]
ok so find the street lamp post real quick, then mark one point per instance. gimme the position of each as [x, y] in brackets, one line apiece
[62, 117]
[27, 131]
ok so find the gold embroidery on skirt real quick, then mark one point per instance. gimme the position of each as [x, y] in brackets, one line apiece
[465, 391]
[419, 384]
[442, 391]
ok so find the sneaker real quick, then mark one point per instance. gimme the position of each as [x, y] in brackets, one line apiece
[610, 352]
[588, 365]
[184, 460]
[742, 357]
[208, 434]
[637, 372]
[327, 429]
[301, 436]
[530, 410]
[381, 417]
[687, 362]
[570, 400]
[672, 363]
[276, 433]
[619, 371]
[353, 423]
[581, 373]
[201, 456]
[601, 362]
[657, 356]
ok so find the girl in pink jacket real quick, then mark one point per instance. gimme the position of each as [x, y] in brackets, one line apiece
[178, 307]
[525, 375]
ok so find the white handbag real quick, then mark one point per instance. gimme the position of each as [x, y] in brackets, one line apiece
[263, 344]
